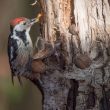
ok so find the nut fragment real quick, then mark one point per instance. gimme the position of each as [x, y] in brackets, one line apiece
[82, 61]
[35, 2]
[38, 66]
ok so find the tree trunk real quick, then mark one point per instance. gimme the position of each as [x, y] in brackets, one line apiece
[75, 55]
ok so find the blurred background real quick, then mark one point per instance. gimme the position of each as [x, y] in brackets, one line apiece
[16, 97]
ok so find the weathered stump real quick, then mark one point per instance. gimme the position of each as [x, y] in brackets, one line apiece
[77, 72]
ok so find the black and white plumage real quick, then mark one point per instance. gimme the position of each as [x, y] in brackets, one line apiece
[20, 48]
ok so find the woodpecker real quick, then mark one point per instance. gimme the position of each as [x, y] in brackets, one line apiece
[20, 47]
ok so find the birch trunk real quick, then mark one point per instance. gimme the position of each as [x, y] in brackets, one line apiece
[76, 75]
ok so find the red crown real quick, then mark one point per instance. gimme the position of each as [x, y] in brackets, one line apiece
[17, 21]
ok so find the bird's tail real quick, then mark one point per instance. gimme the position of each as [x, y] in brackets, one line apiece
[12, 79]
[19, 79]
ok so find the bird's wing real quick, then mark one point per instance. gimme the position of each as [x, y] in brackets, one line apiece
[12, 49]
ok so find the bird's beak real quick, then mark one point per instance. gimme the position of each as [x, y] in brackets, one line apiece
[32, 21]
[37, 19]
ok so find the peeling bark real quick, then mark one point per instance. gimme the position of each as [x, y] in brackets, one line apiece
[77, 72]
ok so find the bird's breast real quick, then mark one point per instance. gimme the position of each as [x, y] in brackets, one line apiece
[24, 53]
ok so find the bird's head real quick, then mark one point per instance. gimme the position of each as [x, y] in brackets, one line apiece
[22, 23]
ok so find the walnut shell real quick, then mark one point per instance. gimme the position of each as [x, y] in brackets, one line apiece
[82, 61]
[38, 66]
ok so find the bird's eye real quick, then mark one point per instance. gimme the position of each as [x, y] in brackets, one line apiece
[24, 23]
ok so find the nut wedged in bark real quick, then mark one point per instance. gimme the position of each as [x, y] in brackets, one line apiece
[38, 66]
[82, 61]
